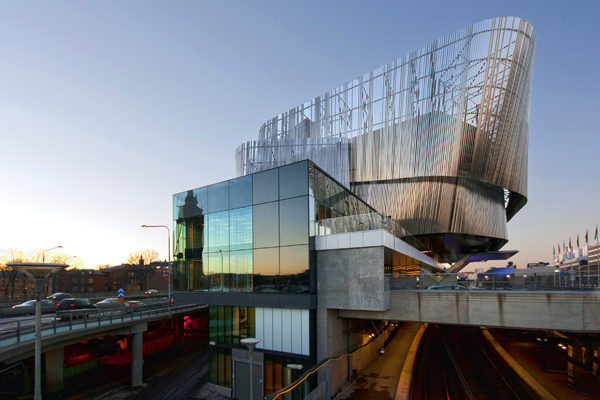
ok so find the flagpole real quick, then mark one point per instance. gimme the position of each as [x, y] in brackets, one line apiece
[597, 257]
[587, 244]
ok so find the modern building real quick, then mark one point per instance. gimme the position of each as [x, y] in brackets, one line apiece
[420, 162]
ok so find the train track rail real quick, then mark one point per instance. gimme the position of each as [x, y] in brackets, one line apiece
[456, 363]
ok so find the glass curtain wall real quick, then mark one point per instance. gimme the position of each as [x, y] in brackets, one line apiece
[246, 234]
[329, 199]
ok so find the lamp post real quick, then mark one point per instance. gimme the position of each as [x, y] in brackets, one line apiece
[297, 367]
[168, 260]
[44, 252]
[39, 272]
[250, 343]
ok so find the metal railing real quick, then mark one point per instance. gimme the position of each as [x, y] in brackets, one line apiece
[519, 280]
[23, 330]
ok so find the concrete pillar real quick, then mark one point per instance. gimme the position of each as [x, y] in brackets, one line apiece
[137, 362]
[178, 332]
[55, 370]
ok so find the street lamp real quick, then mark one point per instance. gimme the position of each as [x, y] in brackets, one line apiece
[169, 257]
[44, 252]
[250, 343]
[297, 367]
[39, 272]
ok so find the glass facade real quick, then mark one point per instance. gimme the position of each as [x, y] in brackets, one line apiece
[253, 235]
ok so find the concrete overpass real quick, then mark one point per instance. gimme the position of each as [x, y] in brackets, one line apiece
[18, 344]
[571, 311]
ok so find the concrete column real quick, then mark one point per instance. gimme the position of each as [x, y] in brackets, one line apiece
[55, 370]
[137, 362]
[178, 332]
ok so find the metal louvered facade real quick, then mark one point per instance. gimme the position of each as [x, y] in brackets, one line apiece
[437, 139]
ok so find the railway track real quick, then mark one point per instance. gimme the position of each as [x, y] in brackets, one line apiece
[456, 363]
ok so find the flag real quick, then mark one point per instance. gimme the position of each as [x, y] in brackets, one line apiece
[570, 245]
[553, 251]
[564, 247]
[586, 237]
[596, 237]
[578, 240]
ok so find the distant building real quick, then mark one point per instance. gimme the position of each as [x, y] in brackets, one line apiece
[80, 281]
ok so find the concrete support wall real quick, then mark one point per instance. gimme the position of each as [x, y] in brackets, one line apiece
[55, 370]
[567, 311]
[137, 362]
[178, 332]
[352, 279]
[332, 341]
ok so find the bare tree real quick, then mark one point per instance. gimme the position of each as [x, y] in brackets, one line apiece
[140, 261]
[9, 275]
[146, 256]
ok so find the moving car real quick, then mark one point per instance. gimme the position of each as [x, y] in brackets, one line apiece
[31, 303]
[134, 303]
[112, 302]
[74, 308]
[28, 307]
[75, 304]
[151, 291]
[57, 297]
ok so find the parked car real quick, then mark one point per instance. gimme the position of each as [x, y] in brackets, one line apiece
[57, 297]
[112, 302]
[454, 286]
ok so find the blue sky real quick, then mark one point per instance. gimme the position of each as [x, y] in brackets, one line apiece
[108, 108]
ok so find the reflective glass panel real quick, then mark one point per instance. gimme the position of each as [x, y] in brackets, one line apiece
[218, 231]
[240, 232]
[294, 269]
[218, 197]
[293, 222]
[293, 180]
[240, 268]
[218, 271]
[265, 225]
[198, 277]
[265, 186]
[240, 192]
[266, 270]
[190, 204]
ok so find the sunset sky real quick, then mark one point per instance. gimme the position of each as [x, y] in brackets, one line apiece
[109, 108]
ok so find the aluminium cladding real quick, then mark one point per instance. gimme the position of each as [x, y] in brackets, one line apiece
[437, 139]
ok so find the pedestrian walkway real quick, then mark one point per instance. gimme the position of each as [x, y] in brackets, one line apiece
[524, 353]
[380, 378]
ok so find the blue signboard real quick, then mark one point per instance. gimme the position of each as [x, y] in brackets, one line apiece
[121, 292]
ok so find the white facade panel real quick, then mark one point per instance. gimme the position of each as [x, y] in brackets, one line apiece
[297, 331]
[286, 330]
[268, 328]
[356, 239]
[344, 240]
[305, 333]
[258, 320]
[277, 329]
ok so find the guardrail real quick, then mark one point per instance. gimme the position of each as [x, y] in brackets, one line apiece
[24, 329]
[494, 280]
